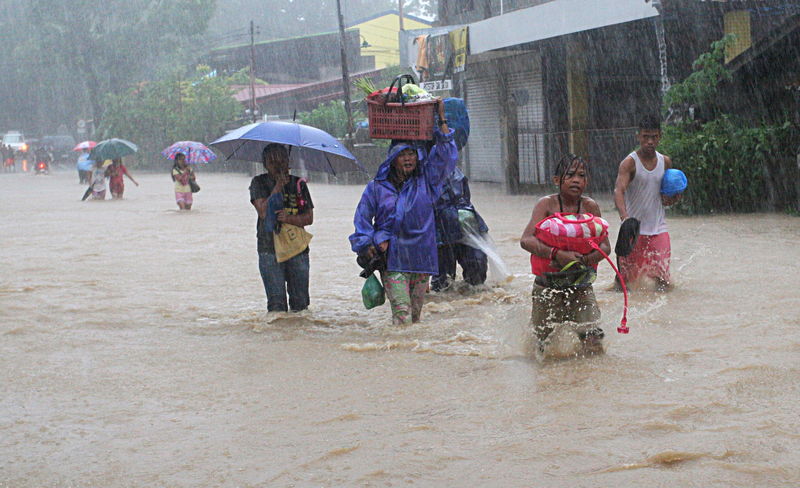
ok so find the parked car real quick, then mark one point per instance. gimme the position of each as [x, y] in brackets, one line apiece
[61, 147]
[16, 140]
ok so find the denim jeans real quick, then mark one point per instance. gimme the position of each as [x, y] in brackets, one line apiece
[291, 275]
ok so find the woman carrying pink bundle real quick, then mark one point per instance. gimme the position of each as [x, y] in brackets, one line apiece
[562, 290]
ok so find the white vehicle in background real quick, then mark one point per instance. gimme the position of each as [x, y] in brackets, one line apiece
[16, 140]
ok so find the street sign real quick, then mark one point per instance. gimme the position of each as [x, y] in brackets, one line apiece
[438, 85]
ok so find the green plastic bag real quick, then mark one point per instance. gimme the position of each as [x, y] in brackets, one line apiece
[372, 293]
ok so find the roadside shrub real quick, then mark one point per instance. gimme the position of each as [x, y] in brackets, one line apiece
[733, 165]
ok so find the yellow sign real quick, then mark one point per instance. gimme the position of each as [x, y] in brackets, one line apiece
[459, 39]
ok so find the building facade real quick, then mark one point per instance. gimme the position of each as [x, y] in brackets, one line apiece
[546, 78]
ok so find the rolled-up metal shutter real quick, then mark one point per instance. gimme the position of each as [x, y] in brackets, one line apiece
[484, 146]
[526, 88]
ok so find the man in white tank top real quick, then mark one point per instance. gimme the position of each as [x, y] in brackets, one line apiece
[637, 195]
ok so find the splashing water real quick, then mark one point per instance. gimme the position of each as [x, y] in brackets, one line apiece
[498, 271]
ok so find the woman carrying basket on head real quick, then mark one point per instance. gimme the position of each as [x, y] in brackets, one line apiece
[395, 218]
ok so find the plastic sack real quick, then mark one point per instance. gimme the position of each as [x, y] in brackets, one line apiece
[468, 221]
[372, 293]
[455, 110]
[673, 182]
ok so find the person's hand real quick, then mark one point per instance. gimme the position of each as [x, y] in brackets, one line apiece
[282, 216]
[280, 181]
[383, 246]
[371, 251]
[667, 201]
[563, 257]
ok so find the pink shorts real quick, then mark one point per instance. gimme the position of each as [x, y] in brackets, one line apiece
[650, 257]
[183, 196]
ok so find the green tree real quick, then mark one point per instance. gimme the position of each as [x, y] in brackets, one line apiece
[732, 165]
[71, 54]
[156, 114]
[330, 117]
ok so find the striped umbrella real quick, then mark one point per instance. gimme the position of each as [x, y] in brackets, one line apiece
[195, 152]
[84, 145]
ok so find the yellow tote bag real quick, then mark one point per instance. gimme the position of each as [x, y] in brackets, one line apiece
[290, 241]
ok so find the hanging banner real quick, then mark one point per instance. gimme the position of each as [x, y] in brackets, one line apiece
[459, 38]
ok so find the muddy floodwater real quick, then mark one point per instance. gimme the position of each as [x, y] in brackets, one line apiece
[135, 351]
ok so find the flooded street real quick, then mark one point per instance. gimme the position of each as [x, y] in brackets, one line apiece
[135, 350]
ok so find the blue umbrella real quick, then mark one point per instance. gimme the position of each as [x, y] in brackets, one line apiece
[312, 149]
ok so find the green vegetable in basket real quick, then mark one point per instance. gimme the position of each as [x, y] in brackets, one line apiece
[364, 84]
[412, 90]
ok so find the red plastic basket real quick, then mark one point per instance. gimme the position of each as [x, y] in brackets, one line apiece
[411, 121]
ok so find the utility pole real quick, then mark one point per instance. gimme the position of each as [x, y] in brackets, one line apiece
[345, 75]
[252, 73]
[400, 11]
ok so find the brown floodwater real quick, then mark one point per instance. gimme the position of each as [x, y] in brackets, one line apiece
[135, 350]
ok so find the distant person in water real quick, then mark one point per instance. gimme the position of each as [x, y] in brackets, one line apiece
[84, 166]
[182, 173]
[99, 181]
[562, 289]
[395, 218]
[637, 195]
[116, 183]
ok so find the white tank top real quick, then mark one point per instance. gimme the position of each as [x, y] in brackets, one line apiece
[643, 197]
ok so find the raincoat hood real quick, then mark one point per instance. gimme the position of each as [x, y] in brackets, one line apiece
[391, 155]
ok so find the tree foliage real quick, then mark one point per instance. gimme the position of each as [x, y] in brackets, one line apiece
[83, 49]
[330, 117]
[156, 114]
[732, 165]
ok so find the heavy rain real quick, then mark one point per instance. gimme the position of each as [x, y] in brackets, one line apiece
[577, 220]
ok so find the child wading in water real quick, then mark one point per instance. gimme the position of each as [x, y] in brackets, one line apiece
[564, 293]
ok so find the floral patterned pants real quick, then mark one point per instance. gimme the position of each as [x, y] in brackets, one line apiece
[406, 294]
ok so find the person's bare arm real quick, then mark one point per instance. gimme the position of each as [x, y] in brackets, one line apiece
[261, 207]
[533, 245]
[131, 177]
[626, 173]
[300, 220]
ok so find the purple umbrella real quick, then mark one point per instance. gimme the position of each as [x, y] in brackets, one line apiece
[195, 152]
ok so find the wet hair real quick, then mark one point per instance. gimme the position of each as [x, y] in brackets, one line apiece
[175, 165]
[649, 122]
[274, 147]
[564, 164]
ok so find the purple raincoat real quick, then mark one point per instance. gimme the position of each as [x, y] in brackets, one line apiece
[405, 218]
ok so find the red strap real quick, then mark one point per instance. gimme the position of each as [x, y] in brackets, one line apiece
[623, 324]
